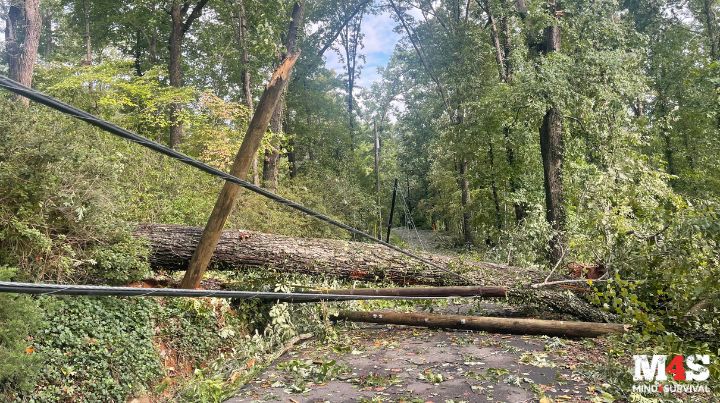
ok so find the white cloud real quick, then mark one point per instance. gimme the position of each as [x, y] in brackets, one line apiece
[379, 41]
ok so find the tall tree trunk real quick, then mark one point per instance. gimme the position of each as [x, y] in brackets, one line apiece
[87, 37]
[376, 152]
[495, 38]
[551, 150]
[493, 187]
[241, 40]
[350, 38]
[502, 56]
[272, 156]
[249, 147]
[22, 36]
[175, 70]
[137, 54]
[711, 28]
[47, 33]
[179, 26]
[465, 201]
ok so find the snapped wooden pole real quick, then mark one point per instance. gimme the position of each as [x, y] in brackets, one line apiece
[487, 324]
[227, 197]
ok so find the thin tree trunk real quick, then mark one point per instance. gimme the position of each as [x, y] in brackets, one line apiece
[669, 152]
[137, 54]
[175, 71]
[520, 207]
[22, 36]
[241, 39]
[493, 187]
[292, 158]
[272, 155]
[178, 28]
[376, 152]
[242, 43]
[465, 201]
[495, 37]
[87, 37]
[551, 150]
[711, 29]
[47, 33]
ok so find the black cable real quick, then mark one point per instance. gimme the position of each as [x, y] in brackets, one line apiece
[17, 88]
[97, 290]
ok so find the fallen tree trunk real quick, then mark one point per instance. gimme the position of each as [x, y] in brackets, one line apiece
[487, 324]
[172, 247]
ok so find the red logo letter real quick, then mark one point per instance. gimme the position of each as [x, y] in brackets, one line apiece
[677, 368]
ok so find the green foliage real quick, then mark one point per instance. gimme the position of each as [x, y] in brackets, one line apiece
[20, 317]
[96, 349]
[58, 201]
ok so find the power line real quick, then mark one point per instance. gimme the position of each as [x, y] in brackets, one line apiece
[97, 290]
[17, 88]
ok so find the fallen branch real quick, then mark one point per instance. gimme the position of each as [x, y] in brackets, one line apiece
[468, 291]
[547, 284]
[487, 324]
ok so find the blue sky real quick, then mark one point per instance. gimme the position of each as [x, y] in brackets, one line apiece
[379, 41]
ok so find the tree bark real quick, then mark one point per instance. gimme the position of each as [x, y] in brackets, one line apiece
[179, 26]
[487, 324]
[22, 36]
[249, 147]
[172, 248]
[551, 150]
[465, 201]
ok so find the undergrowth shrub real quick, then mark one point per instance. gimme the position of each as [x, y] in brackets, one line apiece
[57, 203]
[96, 349]
[20, 317]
